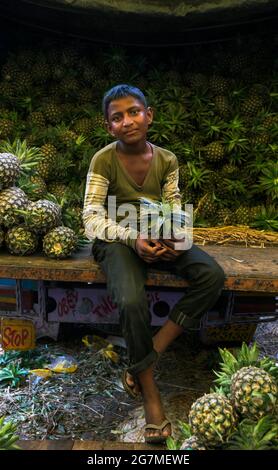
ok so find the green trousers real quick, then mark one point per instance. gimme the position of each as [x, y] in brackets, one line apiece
[126, 275]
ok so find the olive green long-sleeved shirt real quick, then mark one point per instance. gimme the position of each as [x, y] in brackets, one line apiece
[108, 177]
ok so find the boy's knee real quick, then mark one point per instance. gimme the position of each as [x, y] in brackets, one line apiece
[131, 301]
[217, 275]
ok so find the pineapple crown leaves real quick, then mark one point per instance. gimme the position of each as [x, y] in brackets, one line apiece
[101, 137]
[268, 181]
[178, 121]
[62, 129]
[212, 127]
[27, 186]
[252, 435]
[161, 128]
[170, 212]
[29, 157]
[231, 364]
[198, 176]
[270, 367]
[246, 356]
[235, 187]
[235, 142]
[235, 125]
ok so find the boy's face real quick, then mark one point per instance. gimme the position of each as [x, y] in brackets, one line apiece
[128, 119]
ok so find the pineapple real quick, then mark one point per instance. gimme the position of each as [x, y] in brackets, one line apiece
[73, 218]
[7, 90]
[183, 176]
[42, 215]
[214, 152]
[224, 216]
[41, 71]
[222, 105]
[36, 119]
[21, 241]
[69, 85]
[253, 392]
[218, 85]
[59, 243]
[66, 136]
[6, 128]
[9, 169]
[84, 126]
[20, 159]
[196, 81]
[38, 189]
[115, 61]
[261, 138]
[52, 112]
[207, 205]
[46, 165]
[85, 95]
[57, 188]
[12, 200]
[252, 105]
[242, 215]
[212, 419]
[99, 120]
[23, 83]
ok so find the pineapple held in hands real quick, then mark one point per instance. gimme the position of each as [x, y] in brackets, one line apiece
[165, 221]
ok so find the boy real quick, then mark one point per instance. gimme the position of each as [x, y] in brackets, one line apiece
[130, 168]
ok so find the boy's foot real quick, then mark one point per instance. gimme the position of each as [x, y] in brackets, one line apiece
[157, 433]
[158, 427]
[130, 385]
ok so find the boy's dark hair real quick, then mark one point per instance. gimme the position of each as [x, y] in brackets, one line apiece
[121, 91]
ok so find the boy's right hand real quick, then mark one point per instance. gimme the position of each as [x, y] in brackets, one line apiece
[149, 250]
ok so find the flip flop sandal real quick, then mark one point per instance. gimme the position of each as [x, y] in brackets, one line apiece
[129, 390]
[160, 439]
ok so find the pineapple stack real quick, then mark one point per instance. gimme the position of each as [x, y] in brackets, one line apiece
[218, 114]
[241, 411]
[25, 222]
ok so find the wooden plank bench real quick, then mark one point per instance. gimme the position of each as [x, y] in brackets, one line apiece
[67, 444]
[246, 269]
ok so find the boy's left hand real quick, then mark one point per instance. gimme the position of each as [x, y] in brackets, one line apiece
[171, 254]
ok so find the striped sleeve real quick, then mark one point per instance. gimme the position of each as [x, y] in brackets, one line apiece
[170, 188]
[95, 217]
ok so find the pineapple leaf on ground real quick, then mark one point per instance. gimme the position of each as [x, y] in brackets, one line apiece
[171, 444]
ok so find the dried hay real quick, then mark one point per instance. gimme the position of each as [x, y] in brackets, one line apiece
[234, 235]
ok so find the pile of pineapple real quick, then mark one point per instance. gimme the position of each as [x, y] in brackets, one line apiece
[26, 219]
[241, 411]
[215, 108]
